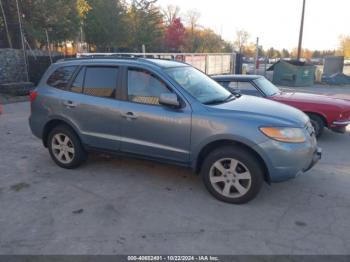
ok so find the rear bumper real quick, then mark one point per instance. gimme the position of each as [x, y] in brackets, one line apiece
[35, 127]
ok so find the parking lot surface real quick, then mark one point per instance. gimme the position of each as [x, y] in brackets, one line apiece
[124, 206]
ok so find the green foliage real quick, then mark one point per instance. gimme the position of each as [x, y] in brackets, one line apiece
[105, 24]
[145, 23]
[58, 17]
[83, 8]
[110, 25]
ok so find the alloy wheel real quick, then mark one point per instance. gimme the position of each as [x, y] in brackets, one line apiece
[230, 178]
[63, 148]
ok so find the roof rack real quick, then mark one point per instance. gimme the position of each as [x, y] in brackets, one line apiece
[98, 57]
[119, 56]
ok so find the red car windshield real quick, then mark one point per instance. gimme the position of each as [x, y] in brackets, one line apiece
[266, 86]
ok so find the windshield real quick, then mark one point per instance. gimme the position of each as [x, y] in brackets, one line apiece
[199, 85]
[266, 86]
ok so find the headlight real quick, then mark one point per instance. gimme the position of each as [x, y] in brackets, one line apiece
[284, 134]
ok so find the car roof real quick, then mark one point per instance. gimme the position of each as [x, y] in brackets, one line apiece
[236, 77]
[161, 63]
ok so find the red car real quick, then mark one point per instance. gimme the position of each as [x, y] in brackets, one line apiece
[324, 111]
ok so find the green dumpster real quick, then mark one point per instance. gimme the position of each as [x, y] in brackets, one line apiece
[293, 73]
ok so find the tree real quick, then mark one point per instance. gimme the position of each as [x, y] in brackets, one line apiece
[4, 26]
[58, 18]
[175, 35]
[105, 24]
[241, 41]
[210, 42]
[192, 18]
[345, 46]
[285, 53]
[145, 22]
[307, 54]
[316, 54]
[9, 10]
[171, 13]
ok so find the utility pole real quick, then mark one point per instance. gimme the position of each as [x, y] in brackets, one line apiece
[22, 40]
[301, 31]
[257, 55]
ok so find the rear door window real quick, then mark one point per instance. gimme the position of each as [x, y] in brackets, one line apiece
[77, 85]
[60, 77]
[99, 81]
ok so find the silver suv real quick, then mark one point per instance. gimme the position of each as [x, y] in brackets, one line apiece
[169, 111]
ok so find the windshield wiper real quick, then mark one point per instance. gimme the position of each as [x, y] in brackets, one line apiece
[220, 101]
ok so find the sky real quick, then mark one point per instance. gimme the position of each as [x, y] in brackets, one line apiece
[275, 22]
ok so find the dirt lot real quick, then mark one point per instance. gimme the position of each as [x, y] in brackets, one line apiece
[126, 206]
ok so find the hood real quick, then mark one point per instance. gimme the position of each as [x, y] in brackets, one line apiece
[312, 98]
[276, 113]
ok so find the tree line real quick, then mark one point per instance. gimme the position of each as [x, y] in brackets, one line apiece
[124, 26]
[248, 48]
[107, 25]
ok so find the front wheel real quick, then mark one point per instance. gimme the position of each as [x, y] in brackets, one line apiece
[232, 174]
[317, 123]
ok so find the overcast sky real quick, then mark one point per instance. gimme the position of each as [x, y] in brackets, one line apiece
[275, 22]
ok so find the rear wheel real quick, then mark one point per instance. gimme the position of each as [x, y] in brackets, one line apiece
[65, 147]
[317, 123]
[232, 175]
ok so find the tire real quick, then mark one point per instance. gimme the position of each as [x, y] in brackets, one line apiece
[318, 124]
[247, 174]
[71, 150]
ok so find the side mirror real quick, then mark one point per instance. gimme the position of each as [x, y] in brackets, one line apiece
[169, 99]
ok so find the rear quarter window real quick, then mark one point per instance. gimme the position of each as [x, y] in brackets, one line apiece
[61, 76]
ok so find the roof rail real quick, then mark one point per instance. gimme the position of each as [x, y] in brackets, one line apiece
[98, 57]
[119, 56]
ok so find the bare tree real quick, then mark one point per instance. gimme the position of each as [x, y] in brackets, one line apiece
[241, 41]
[171, 12]
[192, 18]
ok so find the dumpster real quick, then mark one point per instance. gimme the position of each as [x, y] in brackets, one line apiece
[293, 73]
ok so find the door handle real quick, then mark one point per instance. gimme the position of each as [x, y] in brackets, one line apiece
[70, 104]
[129, 115]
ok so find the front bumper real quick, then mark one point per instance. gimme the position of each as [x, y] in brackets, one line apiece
[285, 161]
[316, 157]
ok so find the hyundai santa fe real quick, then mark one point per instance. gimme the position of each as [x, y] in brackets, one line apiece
[169, 111]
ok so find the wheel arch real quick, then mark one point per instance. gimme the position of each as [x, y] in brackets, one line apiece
[322, 116]
[51, 124]
[227, 142]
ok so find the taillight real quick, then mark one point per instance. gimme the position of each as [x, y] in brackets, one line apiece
[33, 95]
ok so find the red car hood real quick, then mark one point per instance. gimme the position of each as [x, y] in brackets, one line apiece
[311, 99]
